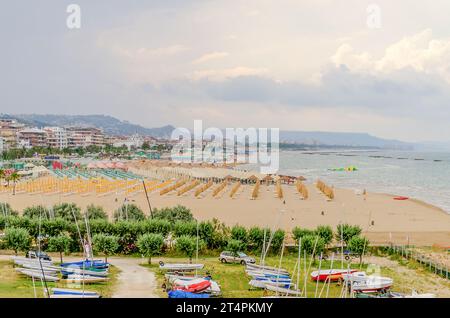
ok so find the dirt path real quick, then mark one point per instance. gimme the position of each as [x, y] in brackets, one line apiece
[134, 281]
[418, 279]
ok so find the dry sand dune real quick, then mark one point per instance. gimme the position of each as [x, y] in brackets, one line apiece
[397, 221]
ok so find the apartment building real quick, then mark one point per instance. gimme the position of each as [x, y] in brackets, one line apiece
[32, 137]
[85, 137]
[57, 137]
[8, 131]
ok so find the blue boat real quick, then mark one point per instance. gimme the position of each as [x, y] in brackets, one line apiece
[184, 294]
[97, 264]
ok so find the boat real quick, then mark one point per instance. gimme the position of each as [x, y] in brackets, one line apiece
[73, 293]
[283, 291]
[192, 286]
[97, 264]
[38, 275]
[52, 273]
[179, 266]
[400, 198]
[265, 268]
[184, 294]
[414, 294]
[330, 274]
[268, 274]
[372, 284]
[90, 272]
[44, 267]
[263, 283]
[86, 279]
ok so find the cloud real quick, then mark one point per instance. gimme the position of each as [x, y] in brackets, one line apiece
[210, 56]
[419, 52]
[219, 75]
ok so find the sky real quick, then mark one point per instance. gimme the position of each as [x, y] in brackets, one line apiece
[381, 67]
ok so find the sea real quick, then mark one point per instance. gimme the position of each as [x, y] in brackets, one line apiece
[420, 175]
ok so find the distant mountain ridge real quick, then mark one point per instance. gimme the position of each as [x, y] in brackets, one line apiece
[348, 139]
[109, 124]
[114, 126]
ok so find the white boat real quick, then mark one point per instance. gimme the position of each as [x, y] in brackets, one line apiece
[76, 278]
[283, 291]
[21, 270]
[73, 293]
[73, 296]
[79, 271]
[267, 274]
[172, 277]
[38, 267]
[38, 275]
[179, 266]
[23, 260]
[263, 283]
[330, 274]
[265, 268]
[371, 284]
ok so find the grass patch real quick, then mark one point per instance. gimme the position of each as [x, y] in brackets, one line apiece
[234, 281]
[16, 285]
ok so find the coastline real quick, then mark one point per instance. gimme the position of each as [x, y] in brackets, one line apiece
[419, 222]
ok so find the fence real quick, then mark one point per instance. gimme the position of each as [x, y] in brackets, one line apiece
[409, 253]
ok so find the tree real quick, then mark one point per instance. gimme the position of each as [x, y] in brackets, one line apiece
[325, 232]
[34, 212]
[14, 178]
[358, 245]
[255, 237]
[298, 232]
[5, 209]
[2, 175]
[150, 245]
[177, 213]
[235, 246]
[145, 145]
[185, 228]
[106, 244]
[17, 239]
[60, 244]
[129, 212]
[313, 245]
[95, 212]
[188, 245]
[239, 233]
[277, 240]
[346, 231]
[66, 211]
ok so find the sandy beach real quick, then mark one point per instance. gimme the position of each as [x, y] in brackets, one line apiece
[400, 222]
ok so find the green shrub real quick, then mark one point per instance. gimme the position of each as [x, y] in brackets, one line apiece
[96, 212]
[298, 233]
[239, 233]
[235, 246]
[185, 228]
[345, 232]
[358, 245]
[36, 212]
[150, 245]
[188, 245]
[177, 213]
[313, 245]
[6, 210]
[206, 233]
[277, 241]
[17, 239]
[129, 212]
[60, 244]
[106, 244]
[325, 232]
[67, 211]
[158, 226]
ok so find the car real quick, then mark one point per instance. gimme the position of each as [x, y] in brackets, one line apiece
[38, 254]
[239, 257]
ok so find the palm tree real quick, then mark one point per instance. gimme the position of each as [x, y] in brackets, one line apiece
[14, 177]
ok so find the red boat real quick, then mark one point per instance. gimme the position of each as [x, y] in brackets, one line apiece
[192, 286]
[401, 198]
[330, 274]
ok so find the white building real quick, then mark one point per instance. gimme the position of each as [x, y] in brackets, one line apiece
[134, 141]
[57, 137]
